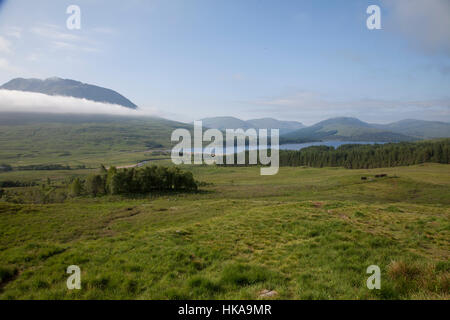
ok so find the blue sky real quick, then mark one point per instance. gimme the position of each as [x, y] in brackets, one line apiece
[293, 60]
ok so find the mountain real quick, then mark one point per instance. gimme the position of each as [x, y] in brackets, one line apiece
[344, 129]
[223, 123]
[284, 126]
[419, 128]
[69, 88]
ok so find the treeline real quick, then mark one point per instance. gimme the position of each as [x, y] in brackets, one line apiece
[5, 167]
[44, 167]
[39, 167]
[134, 181]
[355, 156]
[16, 184]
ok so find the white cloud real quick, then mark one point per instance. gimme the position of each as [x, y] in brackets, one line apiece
[305, 100]
[5, 46]
[5, 65]
[310, 107]
[14, 32]
[71, 46]
[104, 30]
[20, 101]
[425, 23]
[60, 39]
[33, 57]
[54, 32]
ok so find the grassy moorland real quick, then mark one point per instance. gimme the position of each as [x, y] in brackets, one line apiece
[306, 233]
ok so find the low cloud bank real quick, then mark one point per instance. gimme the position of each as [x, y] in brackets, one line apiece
[426, 23]
[20, 101]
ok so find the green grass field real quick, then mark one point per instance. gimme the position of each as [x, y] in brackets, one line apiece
[305, 233]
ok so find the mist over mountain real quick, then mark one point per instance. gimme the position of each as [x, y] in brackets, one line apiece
[69, 88]
[223, 123]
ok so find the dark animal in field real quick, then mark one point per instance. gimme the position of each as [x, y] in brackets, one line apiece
[363, 178]
[381, 175]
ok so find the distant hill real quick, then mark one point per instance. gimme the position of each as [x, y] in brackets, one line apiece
[223, 123]
[419, 128]
[284, 126]
[344, 129]
[69, 88]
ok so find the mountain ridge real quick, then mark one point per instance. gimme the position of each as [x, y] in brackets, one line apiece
[353, 129]
[222, 123]
[69, 88]
[341, 129]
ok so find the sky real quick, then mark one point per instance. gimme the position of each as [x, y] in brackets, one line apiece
[290, 60]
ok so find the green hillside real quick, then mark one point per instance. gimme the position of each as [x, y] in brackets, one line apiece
[419, 128]
[80, 139]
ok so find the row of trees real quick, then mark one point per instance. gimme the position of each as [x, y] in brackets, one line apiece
[44, 167]
[356, 156]
[16, 184]
[5, 167]
[134, 181]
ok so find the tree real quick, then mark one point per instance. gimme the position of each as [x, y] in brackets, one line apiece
[109, 178]
[94, 185]
[76, 188]
[103, 170]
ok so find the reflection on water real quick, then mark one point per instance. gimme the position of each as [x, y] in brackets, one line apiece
[298, 146]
